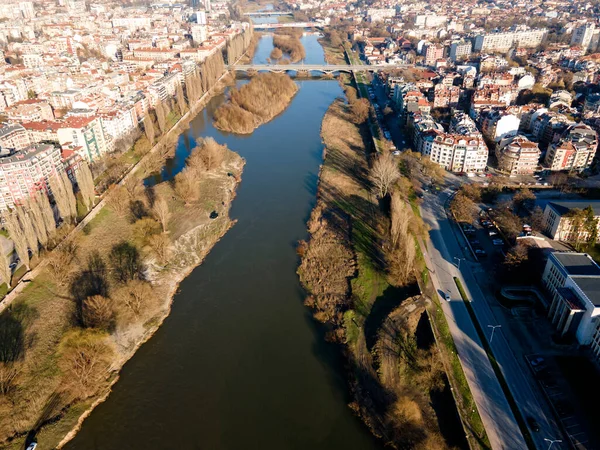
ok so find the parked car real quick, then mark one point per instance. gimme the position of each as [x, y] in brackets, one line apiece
[480, 252]
[396, 153]
[32, 446]
[492, 233]
[446, 295]
[498, 242]
[474, 242]
[537, 361]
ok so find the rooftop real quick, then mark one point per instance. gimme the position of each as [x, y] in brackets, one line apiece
[565, 206]
[590, 287]
[578, 264]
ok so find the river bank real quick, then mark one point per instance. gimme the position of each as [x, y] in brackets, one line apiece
[43, 309]
[392, 367]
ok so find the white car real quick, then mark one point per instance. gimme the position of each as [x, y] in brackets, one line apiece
[446, 295]
[32, 446]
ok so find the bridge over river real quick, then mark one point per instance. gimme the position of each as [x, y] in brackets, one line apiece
[321, 68]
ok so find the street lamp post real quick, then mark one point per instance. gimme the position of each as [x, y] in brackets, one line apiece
[459, 260]
[493, 327]
[552, 441]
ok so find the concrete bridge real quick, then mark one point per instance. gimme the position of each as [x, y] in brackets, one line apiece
[273, 26]
[267, 13]
[321, 68]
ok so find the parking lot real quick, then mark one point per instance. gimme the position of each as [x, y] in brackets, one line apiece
[557, 391]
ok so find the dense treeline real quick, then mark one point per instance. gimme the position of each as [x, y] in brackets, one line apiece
[255, 103]
[290, 45]
[205, 77]
[238, 45]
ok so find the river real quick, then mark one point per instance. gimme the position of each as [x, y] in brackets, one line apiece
[240, 363]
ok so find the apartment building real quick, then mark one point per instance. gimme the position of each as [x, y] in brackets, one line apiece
[502, 42]
[14, 137]
[559, 223]
[462, 149]
[86, 133]
[497, 124]
[25, 172]
[575, 150]
[31, 110]
[460, 50]
[432, 53]
[582, 36]
[517, 155]
[573, 282]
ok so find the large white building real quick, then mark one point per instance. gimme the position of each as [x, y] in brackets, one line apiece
[502, 42]
[582, 36]
[573, 282]
[559, 223]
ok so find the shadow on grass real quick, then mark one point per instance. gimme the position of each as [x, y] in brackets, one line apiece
[391, 298]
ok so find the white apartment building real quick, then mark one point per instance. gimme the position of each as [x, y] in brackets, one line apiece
[502, 42]
[558, 221]
[573, 282]
[582, 36]
[460, 50]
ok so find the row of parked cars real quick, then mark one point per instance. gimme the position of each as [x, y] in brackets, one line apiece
[384, 129]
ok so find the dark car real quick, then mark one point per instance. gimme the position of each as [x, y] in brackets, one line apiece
[214, 215]
[533, 424]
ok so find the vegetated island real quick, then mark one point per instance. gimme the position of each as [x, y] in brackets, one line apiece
[288, 41]
[357, 268]
[255, 103]
[106, 291]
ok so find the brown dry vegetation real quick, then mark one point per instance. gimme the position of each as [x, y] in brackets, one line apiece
[367, 305]
[74, 326]
[290, 45]
[255, 103]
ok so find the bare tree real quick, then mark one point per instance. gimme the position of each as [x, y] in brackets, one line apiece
[181, 104]
[161, 212]
[187, 187]
[28, 230]
[70, 195]
[133, 188]
[85, 181]
[118, 200]
[61, 261]
[135, 297]
[210, 153]
[84, 360]
[149, 129]
[17, 235]
[62, 190]
[98, 312]
[47, 212]
[161, 246]
[360, 110]
[463, 208]
[400, 218]
[161, 116]
[5, 270]
[384, 174]
[37, 219]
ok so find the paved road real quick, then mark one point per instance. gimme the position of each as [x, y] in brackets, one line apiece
[498, 419]
[500, 424]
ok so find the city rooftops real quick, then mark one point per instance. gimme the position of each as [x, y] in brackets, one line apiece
[25, 154]
[563, 207]
[579, 265]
